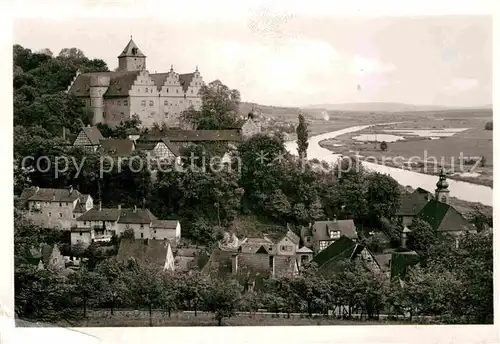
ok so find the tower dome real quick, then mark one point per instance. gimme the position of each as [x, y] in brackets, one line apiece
[442, 183]
[253, 114]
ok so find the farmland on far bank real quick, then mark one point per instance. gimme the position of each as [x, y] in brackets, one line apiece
[472, 143]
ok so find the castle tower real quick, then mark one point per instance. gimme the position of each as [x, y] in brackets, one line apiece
[98, 86]
[131, 58]
[442, 188]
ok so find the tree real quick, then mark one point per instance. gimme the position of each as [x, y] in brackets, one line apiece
[222, 297]
[488, 125]
[85, 285]
[219, 107]
[421, 237]
[144, 283]
[170, 292]
[302, 137]
[383, 196]
[383, 146]
[128, 234]
[113, 283]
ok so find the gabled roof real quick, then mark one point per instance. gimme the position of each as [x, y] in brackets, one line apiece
[120, 83]
[412, 204]
[117, 147]
[291, 236]
[321, 229]
[238, 124]
[185, 80]
[141, 216]
[383, 261]
[304, 249]
[144, 251]
[93, 134]
[342, 248]
[262, 250]
[167, 224]
[50, 195]
[149, 142]
[202, 135]
[131, 50]
[400, 261]
[443, 217]
[105, 214]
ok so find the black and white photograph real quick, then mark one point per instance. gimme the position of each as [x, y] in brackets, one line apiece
[271, 169]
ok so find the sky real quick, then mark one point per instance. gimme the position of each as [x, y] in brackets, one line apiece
[298, 60]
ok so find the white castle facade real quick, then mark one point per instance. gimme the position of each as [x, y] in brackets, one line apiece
[132, 90]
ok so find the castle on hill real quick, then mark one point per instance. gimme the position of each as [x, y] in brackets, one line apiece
[132, 90]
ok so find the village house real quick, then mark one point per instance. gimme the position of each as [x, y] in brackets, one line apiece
[55, 208]
[132, 90]
[186, 138]
[89, 139]
[443, 217]
[117, 147]
[100, 224]
[157, 253]
[159, 148]
[320, 234]
[411, 205]
[247, 127]
[49, 257]
[344, 249]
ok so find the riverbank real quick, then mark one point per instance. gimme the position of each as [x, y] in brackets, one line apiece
[382, 158]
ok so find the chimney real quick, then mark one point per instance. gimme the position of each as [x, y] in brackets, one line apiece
[71, 189]
[271, 265]
[234, 264]
[334, 218]
[119, 207]
[135, 209]
[404, 237]
[37, 189]
[100, 206]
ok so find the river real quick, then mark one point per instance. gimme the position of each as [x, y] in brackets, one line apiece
[459, 189]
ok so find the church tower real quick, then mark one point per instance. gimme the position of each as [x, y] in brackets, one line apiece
[442, 188]
[131, 58]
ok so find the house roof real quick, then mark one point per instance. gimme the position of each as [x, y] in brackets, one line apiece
[411, 204]
[144, 251]
[320, 229]
[50, 195]
[168, 224]
[238, 124]
[105, 214]
[131, 50]
[342, 248]
[117, 147]
[290, 235]
[443, 217]
[185, 80]
[202, 135]
[149, 142]
[383, 261]
[120, 83]
[400, 261]
[249, 265]
[93, 134]
[142, 216]
[304, 249]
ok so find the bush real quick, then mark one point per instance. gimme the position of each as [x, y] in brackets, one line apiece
[383, 146]
[488, 126]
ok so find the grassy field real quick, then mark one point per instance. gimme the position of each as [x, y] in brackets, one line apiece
[207, 319]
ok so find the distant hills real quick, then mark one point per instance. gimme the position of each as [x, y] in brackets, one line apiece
[386, 107]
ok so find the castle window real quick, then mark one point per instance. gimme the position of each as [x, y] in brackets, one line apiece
[50, 214]
[176, 91]
[166, 115]
[125, 102]
[167, 90]
[147, 90]
[165, 102]
[60, 214]
[143, 103]
[118, 103]
[191, 91]
[73, 215]
[151, 103]
[60, 204]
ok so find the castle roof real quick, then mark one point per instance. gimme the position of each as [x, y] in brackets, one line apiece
[119, 83]
[50, 195]
[131, 50]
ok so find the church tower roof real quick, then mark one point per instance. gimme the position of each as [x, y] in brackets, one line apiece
[131, 50]
[442, 184]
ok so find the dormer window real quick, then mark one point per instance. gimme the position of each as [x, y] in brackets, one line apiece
[134, 51]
